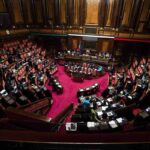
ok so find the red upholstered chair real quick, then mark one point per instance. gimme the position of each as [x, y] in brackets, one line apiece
[140, 69]
[33, 47]
[89, 73]
[132, 74]
[27, 49]
[87, 65]
[10, 49]
[136, 111]
[25, 55]
[94, 73]
[6, 63]
[84, 65]
[114, 80]
[82, 69]
[85, 70]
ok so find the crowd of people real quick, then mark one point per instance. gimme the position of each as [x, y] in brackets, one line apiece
[124, 103]
[84, 70]
[86, 55]
[24, 69]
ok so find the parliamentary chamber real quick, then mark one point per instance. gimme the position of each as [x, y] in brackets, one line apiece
[70, 32]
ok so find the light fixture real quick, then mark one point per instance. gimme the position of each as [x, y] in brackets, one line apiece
[96, 36]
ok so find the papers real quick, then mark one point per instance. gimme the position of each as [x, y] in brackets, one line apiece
[90, 124]
[70, 126]
[99, 113]
[113, 124]
[110, 113]
[119, 120]
[147, 109]
[98, 103]
[104, 108]
[109, 99]
[4, 92]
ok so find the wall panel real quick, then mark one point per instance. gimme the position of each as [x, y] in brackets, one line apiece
[105, 45]
[2, 6]
[76, 12]
[50, 10]
[92, 12]
[102, 8]
[128, 4]
[82, 12]
[115, 14]
[27, 11]
[38, 11]
[119, 13]
[17, 11]
[144, 15]
[70, 12]
[63, 9]
[73, 12]
[64, 43]
[110, 10]
[145, 11]
[56, 12]
[135, 13]
[73, 42]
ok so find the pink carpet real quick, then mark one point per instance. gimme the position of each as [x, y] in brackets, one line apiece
[70, 91]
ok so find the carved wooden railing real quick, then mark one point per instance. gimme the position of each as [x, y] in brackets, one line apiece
[40, 105]
[27, 120]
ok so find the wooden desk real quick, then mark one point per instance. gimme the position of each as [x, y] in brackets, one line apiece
[100, 61]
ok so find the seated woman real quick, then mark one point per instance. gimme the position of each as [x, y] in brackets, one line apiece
[86, 103]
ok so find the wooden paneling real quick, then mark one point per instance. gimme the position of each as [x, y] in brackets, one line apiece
[82, 12]
[74, 42]
[50, 9]
[111, 13]
[119, 13]
[27, 11]
[145, 11]
[135, 13]
[70, 12]
[17, 11]
[64, 43]
[105, 45]
[115, 13]
[38, 11]
[2, 6]
[56, 12]
[92, 12]
[101, 12]
[128, 4]
[63, 9]
[110, 10]
[110, 16]
[144, 15]
[76, 12]
[73, 13]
